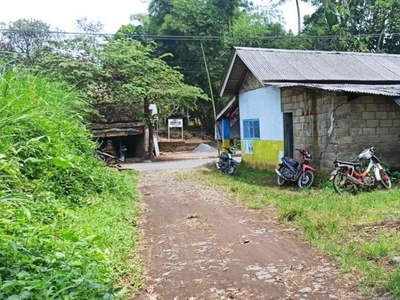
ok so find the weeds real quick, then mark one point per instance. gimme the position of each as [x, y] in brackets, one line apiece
[67, 224]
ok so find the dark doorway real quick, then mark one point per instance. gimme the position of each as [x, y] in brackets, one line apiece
[134, 145]
[288, 134]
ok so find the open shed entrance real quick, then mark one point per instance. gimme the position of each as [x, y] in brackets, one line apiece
[132, 139]
[134, 145]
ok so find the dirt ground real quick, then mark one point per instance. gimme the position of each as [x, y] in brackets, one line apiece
[201, 245]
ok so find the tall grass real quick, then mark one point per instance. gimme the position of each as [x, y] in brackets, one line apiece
[64, 232]
[331, 222]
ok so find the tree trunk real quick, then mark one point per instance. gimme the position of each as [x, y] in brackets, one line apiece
[150, 125]
[298, 16]
[151, 140]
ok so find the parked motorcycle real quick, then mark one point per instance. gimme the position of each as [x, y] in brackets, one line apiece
[292, 170]
[348, 176]
[227, 164]
[108, 158]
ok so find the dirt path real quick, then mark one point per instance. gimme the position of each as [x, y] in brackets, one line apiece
[200, 245]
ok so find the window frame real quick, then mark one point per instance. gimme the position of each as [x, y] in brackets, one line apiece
[248, 121]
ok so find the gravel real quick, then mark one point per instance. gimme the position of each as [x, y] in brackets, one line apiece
[204, 148]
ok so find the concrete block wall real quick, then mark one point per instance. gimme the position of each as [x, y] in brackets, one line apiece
[359, 123]
[369, 121]
[311, 119]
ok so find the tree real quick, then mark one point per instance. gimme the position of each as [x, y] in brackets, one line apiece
[226, 10]
[137, 76]
[281, 2]
[356, 25]
[24, 36]
[123, 71]
[256, 29]
[185, 22]
[219, 25]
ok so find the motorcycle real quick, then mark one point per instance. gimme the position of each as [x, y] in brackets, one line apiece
[348, 176]
[226, 164]
[292, 170]
[110, 159]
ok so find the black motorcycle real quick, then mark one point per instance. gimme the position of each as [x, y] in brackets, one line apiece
[292, 170]
[227, 164]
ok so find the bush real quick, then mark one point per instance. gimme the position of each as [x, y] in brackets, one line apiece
[51, 243]
[187, 135]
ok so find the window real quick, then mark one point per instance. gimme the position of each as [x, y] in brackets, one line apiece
[251, 129]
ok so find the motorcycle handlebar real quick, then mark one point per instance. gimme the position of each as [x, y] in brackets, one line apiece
[304, 153]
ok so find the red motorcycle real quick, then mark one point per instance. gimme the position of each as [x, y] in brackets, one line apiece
[292, 170]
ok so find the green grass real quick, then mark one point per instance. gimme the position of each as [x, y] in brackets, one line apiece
[328, 221]
[110, 224]
[67, 223]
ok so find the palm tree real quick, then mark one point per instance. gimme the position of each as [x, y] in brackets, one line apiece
[281, 2]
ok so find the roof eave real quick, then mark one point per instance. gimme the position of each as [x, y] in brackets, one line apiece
[228, 74]
[230, 103]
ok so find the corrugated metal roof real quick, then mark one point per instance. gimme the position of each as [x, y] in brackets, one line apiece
[274, 65]
[392, 90]
[294, 65]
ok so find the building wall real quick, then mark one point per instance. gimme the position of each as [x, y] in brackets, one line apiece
[358, 124]
[263, 104]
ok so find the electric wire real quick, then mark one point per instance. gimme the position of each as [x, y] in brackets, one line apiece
[209, 37]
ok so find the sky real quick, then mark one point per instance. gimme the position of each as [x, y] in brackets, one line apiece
[113, 14]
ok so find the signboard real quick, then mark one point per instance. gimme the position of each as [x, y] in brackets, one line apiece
[175, 123]
[248, 147]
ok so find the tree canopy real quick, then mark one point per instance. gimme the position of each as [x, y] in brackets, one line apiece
[168, 40]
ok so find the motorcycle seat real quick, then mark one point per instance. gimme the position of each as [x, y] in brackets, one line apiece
[290, 162]
[356, 164]
[224, 156]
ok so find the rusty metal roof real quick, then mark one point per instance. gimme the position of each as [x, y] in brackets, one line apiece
[278, 65]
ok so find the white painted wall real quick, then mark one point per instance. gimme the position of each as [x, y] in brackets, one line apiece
[263, 104]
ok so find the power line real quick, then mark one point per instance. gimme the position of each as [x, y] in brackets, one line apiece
[218, 38]
[57, 32]
[209, 37]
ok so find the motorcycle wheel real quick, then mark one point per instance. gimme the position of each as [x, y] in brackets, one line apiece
[232, 169]
[385, 179]
[280, 180]
[343, 185]
[306, 179]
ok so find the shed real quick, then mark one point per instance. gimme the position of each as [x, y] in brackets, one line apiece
[120, 124]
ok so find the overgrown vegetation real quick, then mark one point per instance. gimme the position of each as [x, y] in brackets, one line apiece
[360, 231]
[67, 224]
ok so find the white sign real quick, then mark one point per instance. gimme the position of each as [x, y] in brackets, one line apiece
[175, 123]
[248, 146]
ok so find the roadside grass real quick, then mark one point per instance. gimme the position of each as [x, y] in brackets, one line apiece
[337, 225]
[67, 223]
[109, 223]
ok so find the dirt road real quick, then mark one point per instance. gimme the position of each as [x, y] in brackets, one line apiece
[200, 245]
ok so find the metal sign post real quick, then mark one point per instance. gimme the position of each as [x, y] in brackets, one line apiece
[175, 123]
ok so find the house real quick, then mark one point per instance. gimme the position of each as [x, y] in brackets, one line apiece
[334, 104]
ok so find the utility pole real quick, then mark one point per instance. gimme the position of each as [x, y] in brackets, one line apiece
[212, 96]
